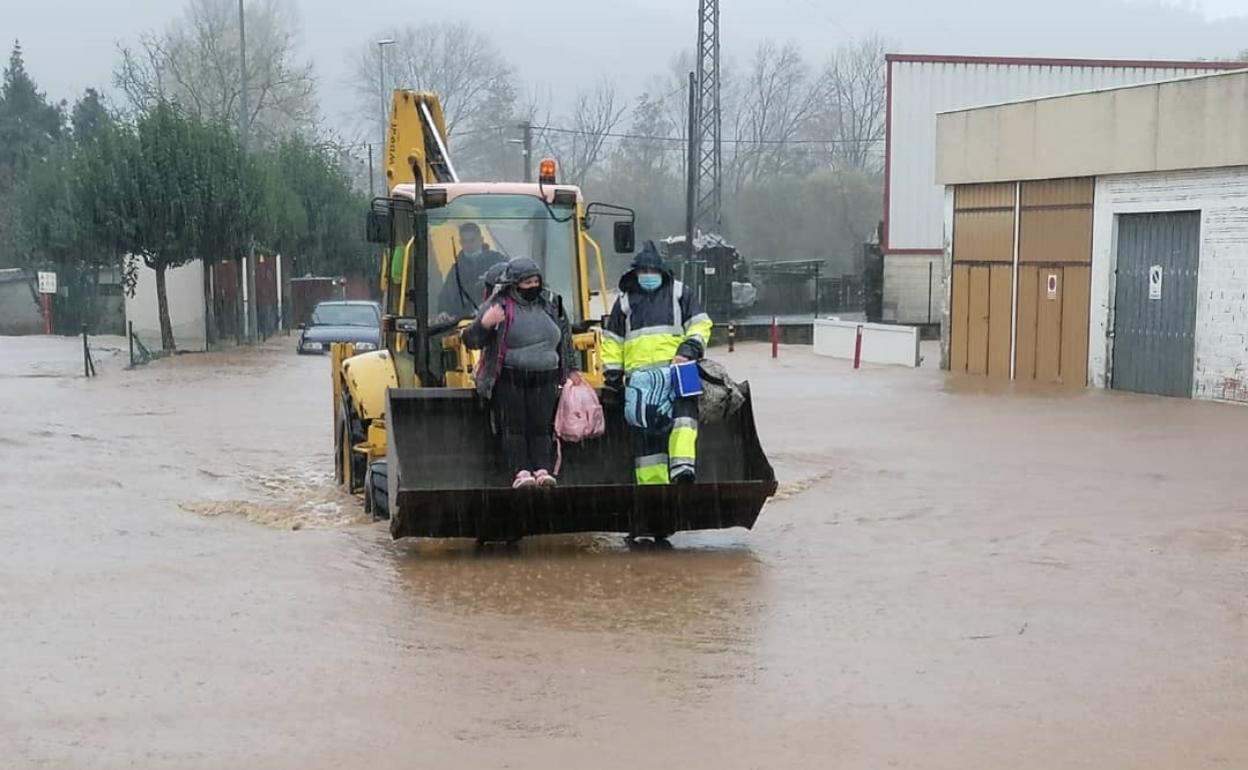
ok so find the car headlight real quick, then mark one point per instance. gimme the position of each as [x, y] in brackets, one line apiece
[311, 346]
[361, 347]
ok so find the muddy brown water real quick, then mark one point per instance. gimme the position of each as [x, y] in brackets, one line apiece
[952, 576]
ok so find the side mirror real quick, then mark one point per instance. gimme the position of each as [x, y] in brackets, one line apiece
[625, 238]
[434, 197]
[377, 227]
[302, 327]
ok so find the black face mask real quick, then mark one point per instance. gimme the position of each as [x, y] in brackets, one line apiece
[531, 293]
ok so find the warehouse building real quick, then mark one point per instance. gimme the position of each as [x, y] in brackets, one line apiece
[920, 86]
[1102, 238]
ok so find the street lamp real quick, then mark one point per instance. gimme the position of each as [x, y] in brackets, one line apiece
[527, 148]
[381, 79]
[385, 118]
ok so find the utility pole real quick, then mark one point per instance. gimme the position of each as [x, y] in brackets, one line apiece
[385, 106]
[242, 77]
[691, 166]
[248, 278]
[709, 189]
[372, 189]
[527, 128]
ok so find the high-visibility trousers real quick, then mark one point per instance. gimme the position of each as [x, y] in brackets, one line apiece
[660, 454]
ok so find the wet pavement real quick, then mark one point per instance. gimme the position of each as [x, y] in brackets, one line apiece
[953, 576]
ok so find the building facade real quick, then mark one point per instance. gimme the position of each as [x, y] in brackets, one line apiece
[1101, 238]
[920, 86]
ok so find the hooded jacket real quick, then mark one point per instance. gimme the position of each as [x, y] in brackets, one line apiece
[464, 284]
[490, 341]
[646, 328]
[495, 278]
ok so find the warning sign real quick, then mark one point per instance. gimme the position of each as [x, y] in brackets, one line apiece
[1154, 282]
[1052, 285]
[47, 283]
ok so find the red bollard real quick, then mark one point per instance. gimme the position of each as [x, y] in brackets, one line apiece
[775, 338]
[858, 347]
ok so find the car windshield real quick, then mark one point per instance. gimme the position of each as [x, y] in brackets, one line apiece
[510, 226]
[344, 315]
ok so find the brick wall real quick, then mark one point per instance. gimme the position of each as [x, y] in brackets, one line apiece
[1222, 312]
[1221, 195]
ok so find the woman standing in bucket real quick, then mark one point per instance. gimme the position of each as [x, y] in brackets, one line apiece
[526, 345]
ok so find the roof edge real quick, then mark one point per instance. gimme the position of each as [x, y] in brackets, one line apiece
[1240, 69]
[1024, 61]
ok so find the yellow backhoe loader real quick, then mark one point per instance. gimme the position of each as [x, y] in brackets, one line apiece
[412, 434]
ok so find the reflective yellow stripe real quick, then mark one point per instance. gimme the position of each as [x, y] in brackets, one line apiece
[612, 351]
[682, 444]
[648, 330]
[653, 476]
[651, 469]
[699, 326]
[700, 318]
[649, 350]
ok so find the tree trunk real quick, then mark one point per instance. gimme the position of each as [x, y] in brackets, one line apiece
[240, 314]
[210, 314]
[253, 314]
[162, 304]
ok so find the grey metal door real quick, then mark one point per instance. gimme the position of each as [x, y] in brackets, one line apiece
[1155, 302]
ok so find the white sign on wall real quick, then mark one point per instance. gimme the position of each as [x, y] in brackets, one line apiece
[47, 283]
[1052, 285]
[1154, 282]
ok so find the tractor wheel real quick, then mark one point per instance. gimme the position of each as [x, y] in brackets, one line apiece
[343, 465]
[376, 493]
[339, 468]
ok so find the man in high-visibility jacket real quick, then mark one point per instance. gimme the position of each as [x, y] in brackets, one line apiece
[656, 321]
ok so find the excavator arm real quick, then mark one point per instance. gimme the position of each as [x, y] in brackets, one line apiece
[417, 138]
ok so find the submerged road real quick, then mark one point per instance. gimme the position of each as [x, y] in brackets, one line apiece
[952, 576]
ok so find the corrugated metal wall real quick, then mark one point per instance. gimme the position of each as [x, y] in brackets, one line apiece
[920, 89]
[1155, 315]
[1054, 274]
[983, 256]
[1050, 328]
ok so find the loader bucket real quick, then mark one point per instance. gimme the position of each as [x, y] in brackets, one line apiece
[447, 478]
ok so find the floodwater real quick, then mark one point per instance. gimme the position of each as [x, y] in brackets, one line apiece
[951, 577]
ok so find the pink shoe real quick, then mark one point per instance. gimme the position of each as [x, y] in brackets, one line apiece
[544, 479]
[523, 479]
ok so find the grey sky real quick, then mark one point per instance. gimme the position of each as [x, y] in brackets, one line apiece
[562, 44]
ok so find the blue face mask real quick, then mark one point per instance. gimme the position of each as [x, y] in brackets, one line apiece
[649, 281]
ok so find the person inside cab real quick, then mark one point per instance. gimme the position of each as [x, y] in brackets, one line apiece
[464, 284]
[656, 321]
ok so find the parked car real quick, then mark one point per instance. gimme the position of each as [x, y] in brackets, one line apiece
[358, 322]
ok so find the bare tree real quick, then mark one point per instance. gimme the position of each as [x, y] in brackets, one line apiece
[654, 148]
[196, 64]
[474, 84]
[851, 104]
[774, 106]
[459, 64]
[579, 146]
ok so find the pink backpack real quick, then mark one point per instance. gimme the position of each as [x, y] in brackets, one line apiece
[579, 416]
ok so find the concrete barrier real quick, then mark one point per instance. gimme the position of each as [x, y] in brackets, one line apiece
[881, 343]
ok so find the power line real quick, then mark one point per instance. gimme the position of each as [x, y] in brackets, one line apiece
[681, 139]
[626, 135]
